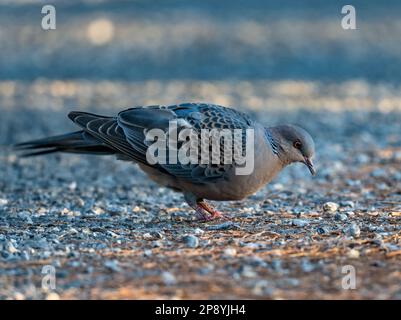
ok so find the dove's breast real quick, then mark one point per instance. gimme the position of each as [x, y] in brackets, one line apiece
[235, 186]
[232, 186]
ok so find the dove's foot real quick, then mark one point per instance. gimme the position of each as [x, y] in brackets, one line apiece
[214, 214]
[204, 211]
[201, 214]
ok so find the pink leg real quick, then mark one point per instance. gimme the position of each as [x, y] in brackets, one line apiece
[201, 214]
[214, 214]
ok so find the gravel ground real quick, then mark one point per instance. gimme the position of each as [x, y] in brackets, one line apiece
[110, 233]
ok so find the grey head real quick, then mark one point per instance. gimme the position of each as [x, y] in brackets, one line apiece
[293, 144]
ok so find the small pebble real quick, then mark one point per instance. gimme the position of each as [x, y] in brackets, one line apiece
[112, 234]
[300, 222]
[157, 244]
[353, 254]
[248, 272]
[11, 248]
[262, 288]
[290, 282]
[112, 265]
[229, 252]
[52, 296]
[3, 202]
[25, 215]
[206, 269]
[256, 261]
[307, 266]
[362, 158]
[330, 207]
[322, 230]
[148, 252]
[168, 278]
[19, 296]
[391, 247]
[378, 264]
[340, 216]
[349, 204]
[353, 183]
[198, 231]
[136, 209]
[156, 235]
[190, 241]
[354, 230]
[147, 236]
[277, 265]
[397, 155]
[252, 245]
[378, 173]
[224, 226]
[72, 186]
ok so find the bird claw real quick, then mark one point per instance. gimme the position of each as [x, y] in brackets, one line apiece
[201, 215]
[214, 214]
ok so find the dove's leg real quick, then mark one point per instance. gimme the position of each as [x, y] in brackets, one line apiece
[215, 214]
[201, 208]
[193, 202]
[201, 214]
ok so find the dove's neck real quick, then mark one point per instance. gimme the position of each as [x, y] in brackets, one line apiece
[272, 141]
[275, 139]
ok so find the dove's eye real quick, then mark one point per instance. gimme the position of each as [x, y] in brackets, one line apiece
[297, 144]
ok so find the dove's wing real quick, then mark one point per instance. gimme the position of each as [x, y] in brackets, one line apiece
[126, 134]
[135, 122]
[107, 130]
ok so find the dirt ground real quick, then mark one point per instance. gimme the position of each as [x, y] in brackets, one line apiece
[101, 230]
[111, 233]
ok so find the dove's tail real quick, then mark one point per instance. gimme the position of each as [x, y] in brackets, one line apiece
[74, 142]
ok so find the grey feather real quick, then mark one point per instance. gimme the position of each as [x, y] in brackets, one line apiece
[125, 136]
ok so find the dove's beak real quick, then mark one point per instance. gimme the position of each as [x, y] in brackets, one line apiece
[308, 162]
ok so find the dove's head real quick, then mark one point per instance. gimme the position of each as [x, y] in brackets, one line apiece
[294, 145]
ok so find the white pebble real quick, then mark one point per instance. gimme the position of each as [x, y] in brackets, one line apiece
[353, 254]
[248, 272]
[168, 278]
[52, 296]
[11, 248]
[72, 186]
[230, 252]
[330, 207]
[147, 236]
[148, 252]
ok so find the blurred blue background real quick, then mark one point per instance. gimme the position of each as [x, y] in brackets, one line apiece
[209, 40]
